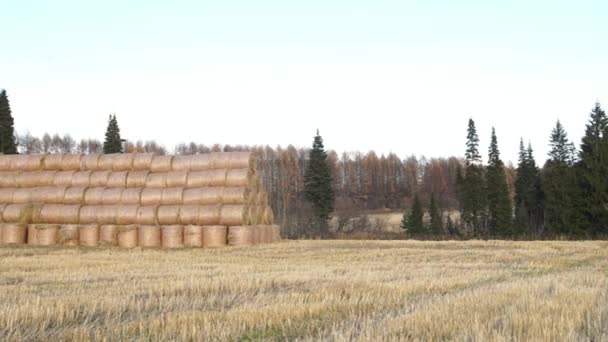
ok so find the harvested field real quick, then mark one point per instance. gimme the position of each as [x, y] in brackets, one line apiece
[309, 290]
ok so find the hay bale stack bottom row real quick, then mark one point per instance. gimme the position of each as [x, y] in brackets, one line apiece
[134, 199]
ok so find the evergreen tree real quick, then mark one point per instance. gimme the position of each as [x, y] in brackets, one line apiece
[318, 183]
[472, 186]
[528, 194]
[113, 143]
[499, 201]
[436, 223]
[8, 144]
[412, 221]
[451, 227]
[592, 170]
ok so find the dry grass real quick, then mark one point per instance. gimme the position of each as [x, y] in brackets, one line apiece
[309, 290]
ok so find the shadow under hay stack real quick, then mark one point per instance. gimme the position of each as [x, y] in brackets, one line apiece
[134, 199]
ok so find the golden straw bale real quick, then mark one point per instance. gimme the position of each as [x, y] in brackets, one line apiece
[18, 213]
[235, 195]
[232, 160]
[6, 195]
[200, 162]
[48, 195]
[131, 196]
[46, 234]
[52, 161]
[142, 161]
[31, 235]
[13, 233]
[108, 235]
[276, 232]
[197, 179]
[127, 214]
[88, 214]
[234, 215]
[111, 196]
[262, 198]
[238, 177]
[58, 213]
[2, 207]
[63, 178]
[22, 195]
[148, 236]
[99, 178]
[5, 162]
[147, 215]
[82, 178]
[214, 236]
[137, 179]
[71, 162]
[117, 179]
[123, 162]
[172, 236]
[8, 179]
[189, 214]
[127, 236]
[26, 162]
[151, 196]
[35, 178]
[68, 235]
[161, 164]
[268, 216]
[89, 234]
[240, 236]
[171, 196]
[177, 179]
[106, 161]
[74, 195]
[90, 162]
[93, 196]
[107, 214]
[168, 214]
[205, 195]
[156, 180]
[209, 214]
[181, 163]
[257, 234]
[193, 236]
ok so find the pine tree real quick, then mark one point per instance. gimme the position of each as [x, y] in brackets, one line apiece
[8, 144]
[412, 221]
[318, 188]
[436, 223]
[113, 143]
[592, 171]
[499, 202]
[472, 186]
[528, 194]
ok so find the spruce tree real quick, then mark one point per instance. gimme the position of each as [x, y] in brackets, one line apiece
[499, 201]
[436, 223]
[528, 194]
[318, 189]
[472, 186]
[8, 144]
[413, 221]
[112, 143]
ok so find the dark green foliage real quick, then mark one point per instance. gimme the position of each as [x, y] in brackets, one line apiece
[413, 222]
[435, 223]
[528, 195]
[471, 187]
[113, 143]
[499, 201]
[318, 189]
[8, 144]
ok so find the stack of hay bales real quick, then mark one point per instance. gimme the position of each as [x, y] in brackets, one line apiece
[134, 199]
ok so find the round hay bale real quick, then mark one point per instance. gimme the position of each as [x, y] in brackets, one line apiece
[48, 195]
[117, 179]
[111, 196]
[13, 233]
[131, 196]
[161, 163]
[2, 207]
[206, 195]
[31, 235]
[235, 195]
[26, 162]
[108, 235]
[5, 162]
[107, 214]
[189, 214]
[18, 213]
[168, 214]
[232, 160]
[214, 236]
[200, 162]
[90, 162]
[257, 234]
[197, 179]
[99, 178]
[52, 161]
[127, 236]
[171, 196]
[82, 178]
[6, 195]
[252, 214]
[74, 195]
[8, 179]
[268, 216]
[147, 215]
[234, 215]
[142, 161]
[148, 236]
[89, 234]
[239, 177]
[240, 236]
[46, 234]
[106, 161]
[209, 215]
[156, 180]
[181, 163]
[63, 178]
[262, 198]
[88, 214]
[22, 196]
[276, 232]
[137, 179]
[123, 162]
[193, 236]
[68, 235]
[127, 214]
[172, 236]
[93, 196]
[71, 162]
[58, 214]
[35, 179]
[177, 179]
[151, 196]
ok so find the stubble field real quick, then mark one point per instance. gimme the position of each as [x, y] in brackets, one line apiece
[309, 290]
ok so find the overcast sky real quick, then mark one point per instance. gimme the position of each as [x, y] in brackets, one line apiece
[400, 76]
